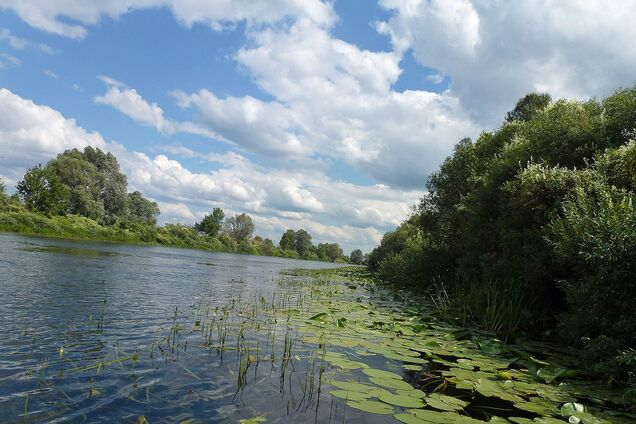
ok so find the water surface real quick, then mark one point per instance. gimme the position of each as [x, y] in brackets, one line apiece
[103, 302]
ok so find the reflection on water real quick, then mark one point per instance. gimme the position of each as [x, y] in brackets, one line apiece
[106, 333]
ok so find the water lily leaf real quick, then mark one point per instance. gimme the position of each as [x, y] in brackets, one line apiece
[429, 416]
[344, 363]
[371, 406]
[491, 388]
[391, 383]
[403, 401]
[348, 395]
[550, 373]
[538, 406]
[445, 403]
[412, 367]
[319, 317]
[354, 386]
[409, 419]
[416, 393]
[372, 372]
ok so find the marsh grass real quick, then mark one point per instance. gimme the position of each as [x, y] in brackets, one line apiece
[495, 305]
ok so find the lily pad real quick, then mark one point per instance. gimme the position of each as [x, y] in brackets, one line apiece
[445, 403]
[372, 372]
[391, 383]
[349, 395]
[371, 406]
[404, 401]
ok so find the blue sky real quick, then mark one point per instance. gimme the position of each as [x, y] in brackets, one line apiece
[327, 116]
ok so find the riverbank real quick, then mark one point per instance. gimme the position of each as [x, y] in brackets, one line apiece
[14, 218]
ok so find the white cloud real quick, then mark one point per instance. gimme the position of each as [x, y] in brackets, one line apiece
[332, 99]
[19, 43]
[277, 199]
[7, 61]
[130, 103]
[495, 52]
[53, 16]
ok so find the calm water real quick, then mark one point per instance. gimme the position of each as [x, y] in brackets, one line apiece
[85, 334]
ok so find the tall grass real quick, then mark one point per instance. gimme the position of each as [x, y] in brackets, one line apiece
[497, 305]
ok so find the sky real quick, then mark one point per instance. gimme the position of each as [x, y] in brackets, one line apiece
[322, 115]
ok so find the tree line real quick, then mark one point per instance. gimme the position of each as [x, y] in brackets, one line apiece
[532, 227]
[84, 194]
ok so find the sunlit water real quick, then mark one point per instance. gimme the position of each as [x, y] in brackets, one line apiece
[85, 335]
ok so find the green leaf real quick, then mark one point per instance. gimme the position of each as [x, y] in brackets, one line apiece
[404, 401]
[372, 372]
[371, 406]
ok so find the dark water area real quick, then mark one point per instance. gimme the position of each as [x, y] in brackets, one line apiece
[83, 330]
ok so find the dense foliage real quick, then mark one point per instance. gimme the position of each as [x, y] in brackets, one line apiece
[533, 225]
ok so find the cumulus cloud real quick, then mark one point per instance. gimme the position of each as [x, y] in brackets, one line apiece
[277, 199]
[495, 52]
[129, 102]
[70, 18]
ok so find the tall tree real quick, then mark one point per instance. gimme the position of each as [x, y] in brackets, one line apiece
[141, 209]
[303, 242]
[268, 247]
[288, 240]
[528, 106]
[239, 227]
[96, 187]
[211, 224]
[42, 191]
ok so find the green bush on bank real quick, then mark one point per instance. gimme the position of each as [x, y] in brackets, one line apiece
[536, 215]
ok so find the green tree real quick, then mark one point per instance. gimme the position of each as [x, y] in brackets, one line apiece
[140, 209]
[303, 243]
[356, 257]
[96, 188]
[42, 191]
[113, 184]
[288, 240]
[3, 187]
[211, 224]
[239, 227]
[528, 106]
[268, 247]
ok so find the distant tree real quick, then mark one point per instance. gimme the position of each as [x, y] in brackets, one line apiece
[96, 187]
[356, 257]
[3, 187]
[239, 227]
[288, 240]
[303, 243]
[42, 191]
[141, 209]
[113, 184]
[334, 252]
[211, 224]
[268, 247]
[528, 106]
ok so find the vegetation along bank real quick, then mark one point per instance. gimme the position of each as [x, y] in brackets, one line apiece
[532, 228]
[84, 195]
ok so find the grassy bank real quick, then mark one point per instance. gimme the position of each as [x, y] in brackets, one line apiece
[15, 218]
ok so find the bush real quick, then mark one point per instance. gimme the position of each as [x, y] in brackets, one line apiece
[596, 239]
